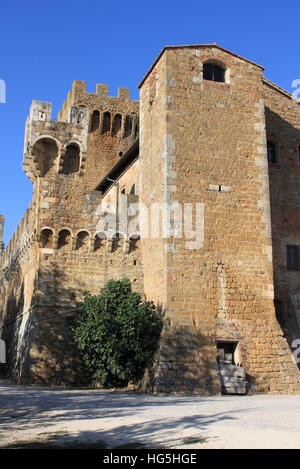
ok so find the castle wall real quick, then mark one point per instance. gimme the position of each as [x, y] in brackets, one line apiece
[214, 221]
[18, 278]
[64, 277]
[65, 258]
[223, 289]
[283, 129]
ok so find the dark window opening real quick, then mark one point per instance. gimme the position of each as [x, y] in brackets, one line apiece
[134, 244]
[132, 190]
[226, 352]
[128, 126]
[292, 254]
[213, 72]
[71, 159]
[117, 124]
[64, 239]
[106, 123]
[271, 149]
[82, 241]
[100, 239]
[45, 152]
[46, 238]
[95, 121]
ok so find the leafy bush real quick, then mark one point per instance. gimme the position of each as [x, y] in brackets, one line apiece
[116, 334]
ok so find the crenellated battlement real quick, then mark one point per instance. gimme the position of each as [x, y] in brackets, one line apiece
[78, 96]
[83, 115]
[18, 246]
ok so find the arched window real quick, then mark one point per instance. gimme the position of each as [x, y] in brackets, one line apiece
[46, 238]
[64, 239]
[117, 123]
[71, 159]
[82, 241]
[128, 126]
[44, 152]
[213, 72]
[134, 243]
[106, 122]
[100, 239]
[95, 121]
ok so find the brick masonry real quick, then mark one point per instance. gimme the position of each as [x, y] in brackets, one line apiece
[201, 142]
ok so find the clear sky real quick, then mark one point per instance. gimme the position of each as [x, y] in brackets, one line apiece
[45, 45]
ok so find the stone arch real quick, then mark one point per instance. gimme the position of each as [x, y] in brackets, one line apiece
[95, 121]
[135, 241]
[100, 239]
[64, 240]
[71, 160]
[106, 122]
[46, 238]
[45, 151]
[82, 241]
[48, 137]
[117, 124]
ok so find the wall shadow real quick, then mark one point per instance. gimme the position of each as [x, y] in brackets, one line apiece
[185, 362]
[40, 346]
[284, 182]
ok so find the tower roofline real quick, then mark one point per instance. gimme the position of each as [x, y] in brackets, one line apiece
[281, 90]
[196, 46]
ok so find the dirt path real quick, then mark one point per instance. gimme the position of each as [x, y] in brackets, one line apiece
[94, 418]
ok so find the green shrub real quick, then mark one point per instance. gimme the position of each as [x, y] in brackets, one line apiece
[116, 334]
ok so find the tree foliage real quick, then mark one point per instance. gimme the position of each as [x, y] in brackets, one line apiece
[116, 333]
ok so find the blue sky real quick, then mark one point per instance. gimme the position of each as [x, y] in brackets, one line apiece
[45, 45]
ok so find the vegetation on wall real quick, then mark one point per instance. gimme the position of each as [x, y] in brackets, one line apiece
[116, 334]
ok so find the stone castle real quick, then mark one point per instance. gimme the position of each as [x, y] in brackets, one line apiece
[211, 140]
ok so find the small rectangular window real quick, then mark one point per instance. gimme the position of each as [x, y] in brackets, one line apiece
[292, 254]
[213, 72]
[271, 149]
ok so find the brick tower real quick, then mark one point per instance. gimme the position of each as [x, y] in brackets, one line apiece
[203, 141]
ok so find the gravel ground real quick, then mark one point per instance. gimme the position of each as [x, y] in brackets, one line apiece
[33, 415]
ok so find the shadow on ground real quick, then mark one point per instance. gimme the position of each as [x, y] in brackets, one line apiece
[29, 409]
